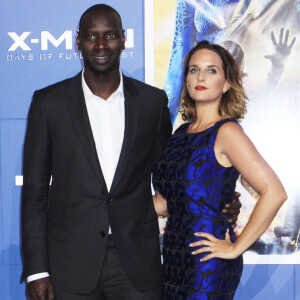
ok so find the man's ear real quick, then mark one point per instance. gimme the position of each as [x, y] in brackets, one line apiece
[78, 41]
[123, 39]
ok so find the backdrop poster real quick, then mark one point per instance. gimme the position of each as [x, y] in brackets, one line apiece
[264, 37]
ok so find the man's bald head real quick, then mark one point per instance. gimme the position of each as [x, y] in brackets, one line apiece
[99, 7]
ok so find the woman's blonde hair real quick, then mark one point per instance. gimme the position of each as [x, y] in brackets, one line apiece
[233, 103]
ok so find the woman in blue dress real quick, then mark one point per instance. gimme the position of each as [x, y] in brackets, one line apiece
[197, 174]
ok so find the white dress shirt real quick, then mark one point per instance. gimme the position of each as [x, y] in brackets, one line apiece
[107, 119]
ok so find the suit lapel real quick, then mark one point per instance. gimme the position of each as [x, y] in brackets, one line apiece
[79, 115]
[131, 124]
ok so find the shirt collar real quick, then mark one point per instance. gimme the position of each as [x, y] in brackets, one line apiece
[88, 93]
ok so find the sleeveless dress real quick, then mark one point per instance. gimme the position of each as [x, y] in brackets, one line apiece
[197, 188]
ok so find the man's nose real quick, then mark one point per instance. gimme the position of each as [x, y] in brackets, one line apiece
[101, 42]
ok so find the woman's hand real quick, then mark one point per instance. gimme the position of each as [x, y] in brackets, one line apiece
[160, 204]
[215, 247]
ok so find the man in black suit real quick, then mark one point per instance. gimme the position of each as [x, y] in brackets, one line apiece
[95, 232]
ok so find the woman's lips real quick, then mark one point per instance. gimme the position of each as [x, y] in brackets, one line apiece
[200, 88]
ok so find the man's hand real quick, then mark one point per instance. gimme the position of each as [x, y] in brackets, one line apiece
[40, 289]
[160, 205]
[233, 209]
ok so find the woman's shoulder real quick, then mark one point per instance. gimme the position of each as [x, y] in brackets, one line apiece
[228, 124]
[230, 130]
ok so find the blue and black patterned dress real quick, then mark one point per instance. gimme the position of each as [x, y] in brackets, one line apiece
[197, 188]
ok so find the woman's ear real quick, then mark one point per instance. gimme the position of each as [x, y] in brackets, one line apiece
[226, 87]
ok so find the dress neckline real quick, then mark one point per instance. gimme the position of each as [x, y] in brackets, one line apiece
[207, 129]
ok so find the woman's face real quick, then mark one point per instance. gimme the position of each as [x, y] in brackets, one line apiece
[206, 78]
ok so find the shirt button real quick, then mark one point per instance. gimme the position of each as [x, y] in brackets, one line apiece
[109, 200]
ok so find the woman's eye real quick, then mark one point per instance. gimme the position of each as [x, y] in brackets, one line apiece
[193, 70]
[212, 71]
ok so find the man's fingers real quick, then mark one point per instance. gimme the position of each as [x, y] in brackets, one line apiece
[230, 211]
[32, 296]
[233, 208]
[236, 203]
[232, 219]
[38, 296]
[42, 294]
[236, 195]
[42, 297]
[233, 211]
[50, 292]
[40, 289]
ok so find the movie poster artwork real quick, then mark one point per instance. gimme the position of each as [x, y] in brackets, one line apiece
[264, 38]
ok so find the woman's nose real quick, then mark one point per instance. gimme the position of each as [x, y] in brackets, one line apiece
[201, 76]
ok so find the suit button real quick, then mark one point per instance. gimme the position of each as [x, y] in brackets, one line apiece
[109, 200]
[103, 234]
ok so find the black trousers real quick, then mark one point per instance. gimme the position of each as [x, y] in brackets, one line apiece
[114, 283]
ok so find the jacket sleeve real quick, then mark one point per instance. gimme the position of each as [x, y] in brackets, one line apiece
[164, 130]
[35, 192]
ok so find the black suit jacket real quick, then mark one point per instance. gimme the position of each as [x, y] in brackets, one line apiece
[62, 227]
